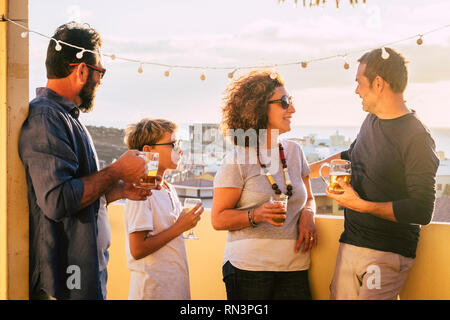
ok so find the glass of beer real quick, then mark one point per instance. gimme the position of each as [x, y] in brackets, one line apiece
[338, 169]
[152, 162]
[189, 204]
[283, 200]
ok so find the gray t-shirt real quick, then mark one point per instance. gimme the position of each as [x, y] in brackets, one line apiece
[265, 247]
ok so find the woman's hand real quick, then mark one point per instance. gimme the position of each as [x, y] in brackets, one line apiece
[307, 231]
[269, 211]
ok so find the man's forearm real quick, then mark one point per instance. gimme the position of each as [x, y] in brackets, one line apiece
[384, 210]
[316, 166]
[115, 192]
[97, 184]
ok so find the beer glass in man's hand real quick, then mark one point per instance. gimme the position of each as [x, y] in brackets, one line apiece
[152, 162]
[338, 169]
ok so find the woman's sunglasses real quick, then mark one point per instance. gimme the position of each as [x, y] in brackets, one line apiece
[285, 101]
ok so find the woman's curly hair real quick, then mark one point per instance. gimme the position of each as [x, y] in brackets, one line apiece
[246, 101]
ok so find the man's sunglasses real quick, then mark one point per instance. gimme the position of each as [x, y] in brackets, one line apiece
[285, 101]
[175, 144]
[102, 71]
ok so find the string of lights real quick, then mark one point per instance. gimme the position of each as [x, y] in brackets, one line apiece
[232, 69]
[317, 3]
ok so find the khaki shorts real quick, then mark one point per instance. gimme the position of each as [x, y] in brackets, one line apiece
[367, 274]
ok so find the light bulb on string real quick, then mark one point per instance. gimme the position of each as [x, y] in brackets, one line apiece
[384, 53]
[346, 65]
[58, 46]
[79, 55]
[420, 40]
[273, 75]
[231, 74]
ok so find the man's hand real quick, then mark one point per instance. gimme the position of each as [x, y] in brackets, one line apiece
[130, 167]
[129, 191]
[349, 198]
[126, 190]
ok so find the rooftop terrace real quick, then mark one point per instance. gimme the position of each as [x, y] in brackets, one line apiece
[429, 278]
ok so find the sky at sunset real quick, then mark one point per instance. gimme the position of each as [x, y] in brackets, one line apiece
[246, 33]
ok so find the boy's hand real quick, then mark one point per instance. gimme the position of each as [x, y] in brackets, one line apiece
[188, 219]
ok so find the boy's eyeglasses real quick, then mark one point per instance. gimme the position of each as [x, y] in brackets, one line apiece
[285, 101]
[102, 71]
[175, 144]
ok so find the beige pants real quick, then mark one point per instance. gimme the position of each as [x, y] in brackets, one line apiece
[367, 274]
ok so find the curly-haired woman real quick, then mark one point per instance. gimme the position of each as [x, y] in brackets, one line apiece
[264, 258]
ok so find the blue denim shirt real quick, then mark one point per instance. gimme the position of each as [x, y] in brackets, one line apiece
[56, 153]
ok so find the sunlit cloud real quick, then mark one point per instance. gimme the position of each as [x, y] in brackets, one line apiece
[258, 33]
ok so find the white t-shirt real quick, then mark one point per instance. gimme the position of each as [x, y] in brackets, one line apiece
[103, 227]
[265, 247]
[104, 235]
[164, 274]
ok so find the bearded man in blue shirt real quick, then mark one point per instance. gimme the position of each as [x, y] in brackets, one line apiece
[67, 193]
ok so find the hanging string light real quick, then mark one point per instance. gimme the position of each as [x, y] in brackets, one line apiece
[79, 54]
[346, 65]
[58, 47]
[316, 3]
[232, 69]
[384, 54]
[231, 74]
[420, 40]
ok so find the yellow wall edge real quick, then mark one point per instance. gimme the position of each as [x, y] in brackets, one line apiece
[429, 278]
[3, 135]
[14, 109]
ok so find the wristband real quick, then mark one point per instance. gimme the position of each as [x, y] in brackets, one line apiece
[250, 219]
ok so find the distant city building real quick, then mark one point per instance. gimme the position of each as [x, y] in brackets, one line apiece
[324, 205]
[443, 179]
[197, 187]
[205, 149]
[442, 210]
[441, 155]
[339, 141]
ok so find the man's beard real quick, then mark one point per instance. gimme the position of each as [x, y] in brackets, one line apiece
[87, 94]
